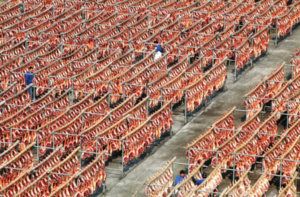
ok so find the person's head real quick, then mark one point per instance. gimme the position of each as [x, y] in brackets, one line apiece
[155, 42]
[204, 175]
[30, 69]
[182, 173]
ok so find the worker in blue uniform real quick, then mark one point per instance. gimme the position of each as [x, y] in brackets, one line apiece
[180, 178]
[198, 182]
[28, 80]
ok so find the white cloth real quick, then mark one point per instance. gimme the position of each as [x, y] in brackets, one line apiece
[157, 55]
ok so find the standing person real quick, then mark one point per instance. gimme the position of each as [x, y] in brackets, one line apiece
[28, 80]
[159, 51]
[180, 177]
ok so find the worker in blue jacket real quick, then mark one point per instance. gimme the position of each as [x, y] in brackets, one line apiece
[28, 80]
[159, 51]
[180, 177]
[198, 182]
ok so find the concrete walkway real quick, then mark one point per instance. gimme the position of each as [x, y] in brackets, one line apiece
[233, 96]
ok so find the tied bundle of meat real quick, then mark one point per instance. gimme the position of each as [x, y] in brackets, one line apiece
[264, 19]
[89, 143]
[120, 127]
[172, 46]
[296, 61]
[284, 24]
[65, 187]
[242, 55]
[163, 177]
[210, 183]
[269, 127]
[216, 77]
[294, 108]
[96, 111]
[73, 127]
[154, 89]
[10, 153]
[8, 92]
[279, 101]
[290, 189]
[260, 187]
[222, 50]
[91, 177]
[13, 117]
[147, 75]
[245, 132]
[206, 50]
[224, 128]
[174, 89]
[23, 160]
[193, 72]
[289, 167]
[261, 41]
[278, 8]
[280, 146]
[116, 84]
[272, 83]
[137, 143]
[204, 142]
[144, 135]
[238, 188]
[234, 15]
[196, 94]
[162, 120]
[68, 166]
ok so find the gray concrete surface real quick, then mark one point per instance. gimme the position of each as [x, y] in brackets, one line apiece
[139, 171]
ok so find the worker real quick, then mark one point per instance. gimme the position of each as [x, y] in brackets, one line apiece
[180, 177]
[198, 182]
[28, 80]
[159, 51]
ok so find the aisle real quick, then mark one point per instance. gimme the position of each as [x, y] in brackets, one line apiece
[233, 96]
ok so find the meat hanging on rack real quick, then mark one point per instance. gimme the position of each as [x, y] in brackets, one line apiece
[23, 160]
[196, 93]
[245, 131]
[284, 23]
[274, 83]
[210, 183]
[187, 184]
[279, 103]
[144, 135]
[261, 41]
[238, 188]
[293, 107]
[163, 177]
[91, 177]
[260, 187]
[290, 189]
[224, 128]
[217, 77]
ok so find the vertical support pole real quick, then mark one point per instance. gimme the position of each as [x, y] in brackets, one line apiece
[26, 45]
[288, 114]
[123, 160]
[235, 61]
[185, 108]
[276, 33]
[280, 173]
[189, 158]
[38, 147]
[233, 168]
[11, 139]
[161, 95]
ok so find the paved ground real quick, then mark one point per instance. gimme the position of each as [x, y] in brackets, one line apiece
[169, 147]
